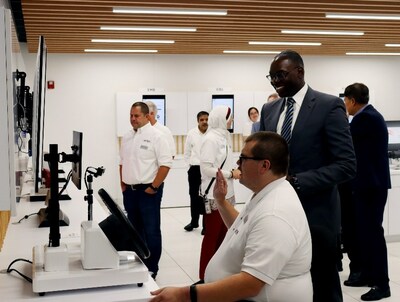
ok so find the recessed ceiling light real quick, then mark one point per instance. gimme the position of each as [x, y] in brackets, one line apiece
[132, 41]
[373, 53]
[361, 16]
[321, 32]
[251, 52]
[120, 50]
[170, 11]
[392, 45]
[285, 43]
[148, 28]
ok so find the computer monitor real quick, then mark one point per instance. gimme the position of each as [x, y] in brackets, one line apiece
[393, 135]
[119, 230]
[227, 100]
[77, 163]
[39, 92]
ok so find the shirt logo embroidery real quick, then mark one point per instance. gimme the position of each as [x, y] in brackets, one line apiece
[144, 147]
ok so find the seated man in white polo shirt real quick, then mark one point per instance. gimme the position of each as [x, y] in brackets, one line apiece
[266, 253]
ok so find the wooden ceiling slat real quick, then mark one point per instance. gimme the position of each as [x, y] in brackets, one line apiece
[69, 25]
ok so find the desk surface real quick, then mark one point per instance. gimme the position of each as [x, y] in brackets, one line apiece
[21, 238]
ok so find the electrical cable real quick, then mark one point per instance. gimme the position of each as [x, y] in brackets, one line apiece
[9, 269]
[66, 183]
[25, 217]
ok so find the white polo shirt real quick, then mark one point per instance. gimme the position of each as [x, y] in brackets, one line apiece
[193, 143]
[142, 153]
[270, 240]
[168, 134]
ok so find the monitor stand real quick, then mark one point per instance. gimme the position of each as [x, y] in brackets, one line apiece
[44, 222]
[62, 268]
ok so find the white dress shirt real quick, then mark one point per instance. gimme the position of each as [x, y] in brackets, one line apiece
[193, 143]
[298, 99]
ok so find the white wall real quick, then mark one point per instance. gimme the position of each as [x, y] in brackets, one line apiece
[86, 86]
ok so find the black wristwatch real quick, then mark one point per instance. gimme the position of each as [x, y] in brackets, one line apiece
[153, 188]
[294, 182]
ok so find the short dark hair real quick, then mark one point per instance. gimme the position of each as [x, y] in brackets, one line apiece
[143, 107]
[251, 108]
[201, 113]
[292, 55]
[359, 92]
[271, 146]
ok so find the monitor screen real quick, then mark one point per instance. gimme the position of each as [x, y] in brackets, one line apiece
[76, 147]
[227, 100]
[119, 230]
[159, 101]
[39, 92]
[393, 135]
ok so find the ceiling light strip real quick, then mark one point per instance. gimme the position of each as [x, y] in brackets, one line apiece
[170, 11]
[251, 52]
[373, 53]
[285, 43]
[148, 28]
[362, 16]
[392, 45]
[322, 32]
[132, 41]
[122, 50]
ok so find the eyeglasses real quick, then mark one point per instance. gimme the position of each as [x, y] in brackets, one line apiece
[242, 158]
[280, 75]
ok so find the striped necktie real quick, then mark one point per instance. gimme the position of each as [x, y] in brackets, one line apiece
[286, 132]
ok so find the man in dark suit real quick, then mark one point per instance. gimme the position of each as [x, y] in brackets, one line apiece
[365, 244]
[321, 156]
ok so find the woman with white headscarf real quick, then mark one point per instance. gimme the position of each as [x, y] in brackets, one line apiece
[216, 148]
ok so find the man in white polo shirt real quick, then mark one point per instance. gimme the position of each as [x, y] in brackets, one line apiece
[266, 253]
[164, 129]
[145, 160]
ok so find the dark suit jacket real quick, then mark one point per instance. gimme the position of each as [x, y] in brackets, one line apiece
[321, 153]
[370, 138]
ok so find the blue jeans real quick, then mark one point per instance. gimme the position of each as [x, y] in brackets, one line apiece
[144, 213]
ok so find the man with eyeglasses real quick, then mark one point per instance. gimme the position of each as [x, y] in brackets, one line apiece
[321, 157]
[266, 253]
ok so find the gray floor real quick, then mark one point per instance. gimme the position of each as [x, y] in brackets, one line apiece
[180, 257]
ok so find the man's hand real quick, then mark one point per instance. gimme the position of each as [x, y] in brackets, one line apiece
[221, 187]
[171, 294]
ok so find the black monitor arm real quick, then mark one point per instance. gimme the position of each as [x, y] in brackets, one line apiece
[89, 173]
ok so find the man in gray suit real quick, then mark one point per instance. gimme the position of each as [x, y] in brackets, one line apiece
[321, 156]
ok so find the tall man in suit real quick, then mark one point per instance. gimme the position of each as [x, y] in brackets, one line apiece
[321, 156]
[366, 245]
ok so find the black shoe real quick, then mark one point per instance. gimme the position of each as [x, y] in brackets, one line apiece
[376, 293]
[190, 227]
[355, 280]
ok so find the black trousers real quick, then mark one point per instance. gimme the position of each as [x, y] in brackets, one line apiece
[366, 245]
[194, 178]
[324, 273]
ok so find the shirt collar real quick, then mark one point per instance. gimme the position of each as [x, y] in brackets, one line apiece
[300, 95]
[142, 129]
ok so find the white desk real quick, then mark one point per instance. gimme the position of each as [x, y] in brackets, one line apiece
[21, 238]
